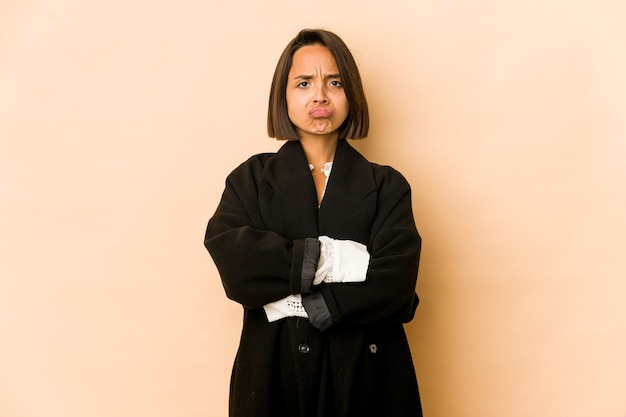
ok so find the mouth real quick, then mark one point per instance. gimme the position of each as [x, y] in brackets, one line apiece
[320, 112]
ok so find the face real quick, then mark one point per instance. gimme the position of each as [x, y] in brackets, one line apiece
[316, 101]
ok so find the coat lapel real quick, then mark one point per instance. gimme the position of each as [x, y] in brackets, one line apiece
[288, 200]
[349, 204]
[287, 196]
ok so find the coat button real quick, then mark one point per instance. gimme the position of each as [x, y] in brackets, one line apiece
[304, 348]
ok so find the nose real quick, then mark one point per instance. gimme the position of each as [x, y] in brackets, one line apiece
[319, 94]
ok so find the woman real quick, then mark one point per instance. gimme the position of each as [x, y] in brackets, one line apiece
[320, 248]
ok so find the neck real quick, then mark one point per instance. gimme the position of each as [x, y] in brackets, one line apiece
[319, 150]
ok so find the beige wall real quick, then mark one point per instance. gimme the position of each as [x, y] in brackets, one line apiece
[120, 120]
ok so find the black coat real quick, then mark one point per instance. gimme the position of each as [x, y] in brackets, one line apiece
[361, 365]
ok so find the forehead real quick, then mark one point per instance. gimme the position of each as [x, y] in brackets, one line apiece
[313, 58]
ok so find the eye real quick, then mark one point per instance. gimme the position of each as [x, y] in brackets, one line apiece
[336, 83]
[303, 84]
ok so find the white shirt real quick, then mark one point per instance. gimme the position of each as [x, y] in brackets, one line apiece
[328, 166]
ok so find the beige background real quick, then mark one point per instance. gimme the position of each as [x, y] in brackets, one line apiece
[120, 120]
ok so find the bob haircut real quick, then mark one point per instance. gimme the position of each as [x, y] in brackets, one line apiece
[356, 125]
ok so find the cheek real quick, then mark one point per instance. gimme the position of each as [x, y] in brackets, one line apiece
[345, 108]
[290, 106]
[291, 111]
[341, 101]
[293, 103]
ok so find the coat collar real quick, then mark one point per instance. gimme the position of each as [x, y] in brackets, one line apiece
[290, 201]
[287, 166]
[349, 203]
[351, 173]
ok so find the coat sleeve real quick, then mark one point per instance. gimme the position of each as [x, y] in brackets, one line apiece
[388, 293]
[256, 266]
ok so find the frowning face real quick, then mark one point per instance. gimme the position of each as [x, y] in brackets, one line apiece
[316, 101]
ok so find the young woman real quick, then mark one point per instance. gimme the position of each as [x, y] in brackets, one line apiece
[320, 248]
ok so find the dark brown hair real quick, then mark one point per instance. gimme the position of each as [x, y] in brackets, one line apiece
[356, 125]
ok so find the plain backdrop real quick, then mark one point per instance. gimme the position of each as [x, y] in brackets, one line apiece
[120, 120]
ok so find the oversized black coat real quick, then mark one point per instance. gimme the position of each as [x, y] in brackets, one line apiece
[359, 366]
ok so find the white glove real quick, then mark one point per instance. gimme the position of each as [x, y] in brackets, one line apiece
[341, 261]
[290, 306]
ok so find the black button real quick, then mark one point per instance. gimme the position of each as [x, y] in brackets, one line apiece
[304, 348]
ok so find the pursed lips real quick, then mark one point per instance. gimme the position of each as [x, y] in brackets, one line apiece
[320, 112]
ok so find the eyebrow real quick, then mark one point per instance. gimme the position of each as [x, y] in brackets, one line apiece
[308, 77]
